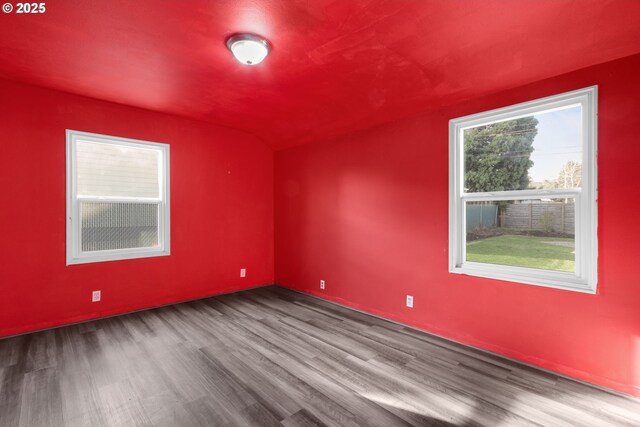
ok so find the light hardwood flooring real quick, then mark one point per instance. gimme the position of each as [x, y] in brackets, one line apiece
[271, 356]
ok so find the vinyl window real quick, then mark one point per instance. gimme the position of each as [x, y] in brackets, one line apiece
[117, 198]
[523, 192]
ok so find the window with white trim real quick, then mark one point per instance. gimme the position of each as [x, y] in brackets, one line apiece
[117, 198]
[523, 192]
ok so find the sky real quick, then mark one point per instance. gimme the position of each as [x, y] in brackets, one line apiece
[558, 140]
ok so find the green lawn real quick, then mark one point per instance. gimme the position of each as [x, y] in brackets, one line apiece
[524, 251]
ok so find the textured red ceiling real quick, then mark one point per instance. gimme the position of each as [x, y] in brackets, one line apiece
[336, 65]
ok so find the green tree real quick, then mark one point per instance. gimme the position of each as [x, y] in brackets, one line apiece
[497, 157]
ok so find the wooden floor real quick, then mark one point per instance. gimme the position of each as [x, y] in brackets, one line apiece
[271, 356]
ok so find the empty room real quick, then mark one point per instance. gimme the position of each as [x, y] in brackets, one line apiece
[319, 213]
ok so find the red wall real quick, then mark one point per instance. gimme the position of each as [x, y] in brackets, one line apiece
[368, 214]
[221, 212]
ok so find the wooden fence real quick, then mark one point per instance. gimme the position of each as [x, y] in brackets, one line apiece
[558, 217]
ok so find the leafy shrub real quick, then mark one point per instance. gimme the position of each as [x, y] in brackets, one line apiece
[547, 219]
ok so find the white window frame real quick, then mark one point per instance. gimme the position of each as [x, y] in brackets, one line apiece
[586, 234]
[75, 255]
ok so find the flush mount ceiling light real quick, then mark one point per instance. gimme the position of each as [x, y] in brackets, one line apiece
[248, 48]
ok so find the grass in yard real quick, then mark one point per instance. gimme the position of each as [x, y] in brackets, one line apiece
[548, 253]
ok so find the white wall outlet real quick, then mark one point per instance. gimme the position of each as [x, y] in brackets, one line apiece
[321, 284]
[409, 301]
[95, 296]
[243, 272]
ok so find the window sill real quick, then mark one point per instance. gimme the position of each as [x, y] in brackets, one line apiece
[529, 276]
[116, 256]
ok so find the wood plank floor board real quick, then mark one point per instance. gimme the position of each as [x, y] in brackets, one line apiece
[481, 388]
[273, 333]
[484, 412]
[284, 377]
[121, 405]
[302, 418]
[344, 342]
[257, 382]
[382, 398]
[320, 347]
[368, 412]
[41, 404]
[11, 351]
[319, 383]
[376, 346]
[270, 356]
[491, 405]
[611, 406]
[81, 404]
[487, 388]
[387, 389]
[525, 376]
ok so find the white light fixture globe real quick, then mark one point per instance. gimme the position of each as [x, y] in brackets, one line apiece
[248, 49]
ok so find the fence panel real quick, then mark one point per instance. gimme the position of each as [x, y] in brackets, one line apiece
[481, 215]
[557, 217]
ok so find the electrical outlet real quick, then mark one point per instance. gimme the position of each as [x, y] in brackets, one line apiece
[321, 284]
[409, 301]
[243, 272]
[95, 296]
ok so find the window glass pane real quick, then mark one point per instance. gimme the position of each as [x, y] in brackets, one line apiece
[543, 150]
[534, 233]
[117, 170]
[108, 226]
